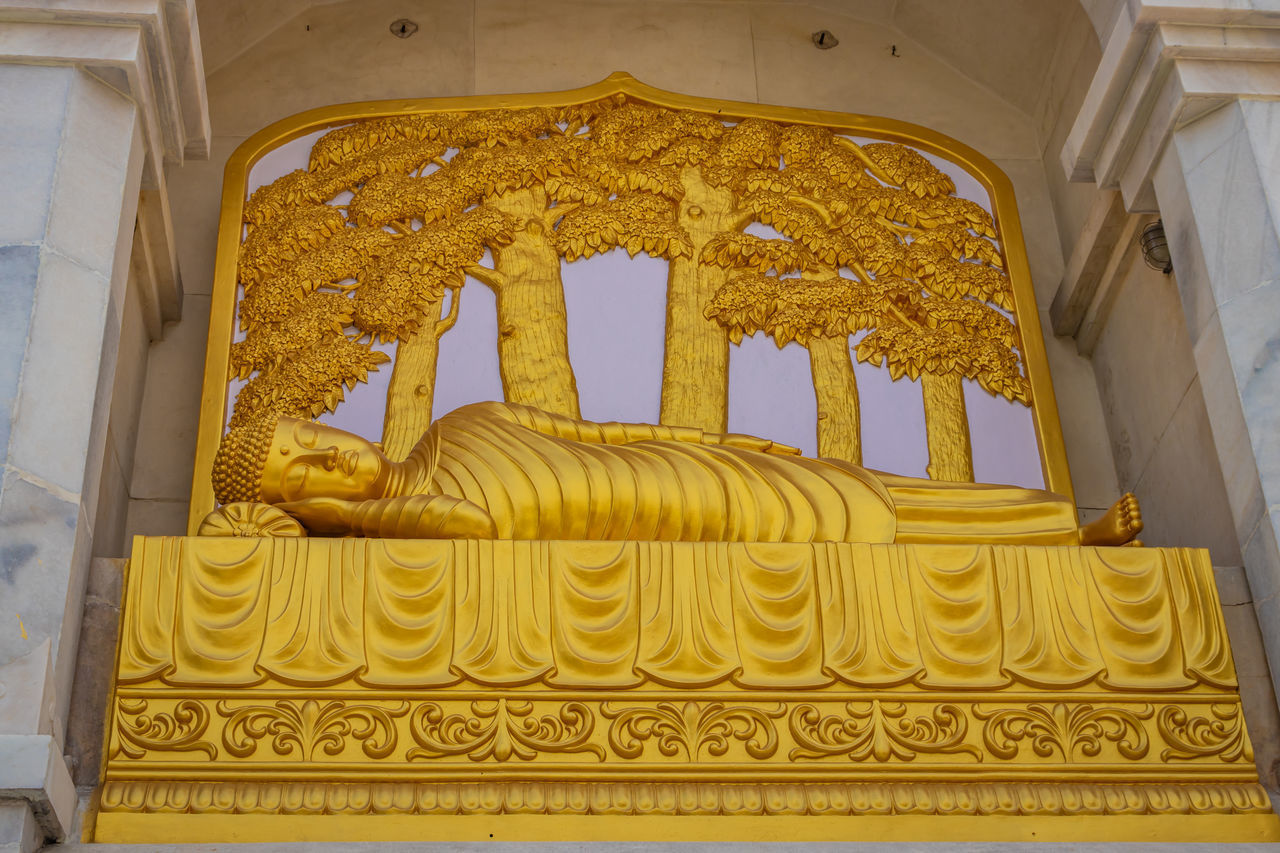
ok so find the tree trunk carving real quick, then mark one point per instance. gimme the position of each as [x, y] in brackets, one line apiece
[533, 335]
[836, 388]
[695, 368]
[947, 425]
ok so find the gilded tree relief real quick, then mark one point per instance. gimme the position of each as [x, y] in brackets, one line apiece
[401, 235]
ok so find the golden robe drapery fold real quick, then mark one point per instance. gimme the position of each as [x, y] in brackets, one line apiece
[423, 614]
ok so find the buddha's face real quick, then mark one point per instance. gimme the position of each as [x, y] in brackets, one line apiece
[310, 460]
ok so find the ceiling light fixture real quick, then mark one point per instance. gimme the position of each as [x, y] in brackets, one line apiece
[1155, 248]
[825, 40]
[403, 28]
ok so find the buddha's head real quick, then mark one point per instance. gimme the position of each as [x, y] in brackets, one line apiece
[276, 459]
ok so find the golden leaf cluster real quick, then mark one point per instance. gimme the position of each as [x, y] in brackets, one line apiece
[658, 136]
[935, 268]
[300, 188]
[800, 309]
[473, 175]
[270, 247]
[751, 142]
[400, 294]
[640, 222]
[295, 189]
[615, 177]
[913, 350]
[484, 128]
[689, 152]
[354, 140]
[318, 317]
[909, 169]
[966, 317]
[571, 189]
[308, 384]
[956, 240]
[341, 258]
[736, 249]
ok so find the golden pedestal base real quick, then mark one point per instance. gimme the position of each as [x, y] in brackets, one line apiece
[280, 689]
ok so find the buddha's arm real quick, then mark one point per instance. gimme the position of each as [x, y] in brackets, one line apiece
[560, 426]
[940, 512]
[407, 517]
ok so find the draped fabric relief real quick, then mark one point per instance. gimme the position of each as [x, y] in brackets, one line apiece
[618, 614]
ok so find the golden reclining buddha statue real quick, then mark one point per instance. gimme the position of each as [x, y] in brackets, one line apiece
[513, 623]
[506, 471]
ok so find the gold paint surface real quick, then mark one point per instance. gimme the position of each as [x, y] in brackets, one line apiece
[175, 828]
[506, 471]
[235, 612]
[521, 624]
[294, 677]
[540, 177]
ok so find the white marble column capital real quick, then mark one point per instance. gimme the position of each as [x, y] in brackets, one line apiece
[1164, 64]
[147, 49]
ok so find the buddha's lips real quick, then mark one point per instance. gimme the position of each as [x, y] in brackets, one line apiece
[348, 462]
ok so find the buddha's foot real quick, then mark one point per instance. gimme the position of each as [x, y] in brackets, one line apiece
[1118, 526]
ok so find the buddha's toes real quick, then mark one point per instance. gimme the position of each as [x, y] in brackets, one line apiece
[1118, 526]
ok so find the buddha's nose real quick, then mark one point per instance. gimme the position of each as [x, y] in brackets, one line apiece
[331, 458]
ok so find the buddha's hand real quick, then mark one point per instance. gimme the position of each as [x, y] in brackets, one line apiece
[323, 516]
[750, 442]
[408, 517]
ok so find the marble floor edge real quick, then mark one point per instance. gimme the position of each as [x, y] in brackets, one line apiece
[678, 847]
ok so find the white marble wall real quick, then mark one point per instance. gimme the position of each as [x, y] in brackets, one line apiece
[1154, 402]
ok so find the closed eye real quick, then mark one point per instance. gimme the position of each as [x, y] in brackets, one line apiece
[308, 435]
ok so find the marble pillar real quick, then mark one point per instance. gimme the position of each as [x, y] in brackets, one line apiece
[77, 155]
[91, 107]
[1182, 121]
[1218, 187]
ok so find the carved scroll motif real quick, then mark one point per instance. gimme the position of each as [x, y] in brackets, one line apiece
[880, 730]
[300, 729]
[502, 729]
[1068, 730]
[690, 727]
[1219, 734]
[179, 731]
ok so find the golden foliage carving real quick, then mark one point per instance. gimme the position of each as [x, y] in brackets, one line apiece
[179, 731]
[880, 730]
[1068, 730]
[909, 169]
[1221, 734]
[431, 193]
[310, 383]
[502, 729]
[691, 727]
[319, 317]
[303, 728]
